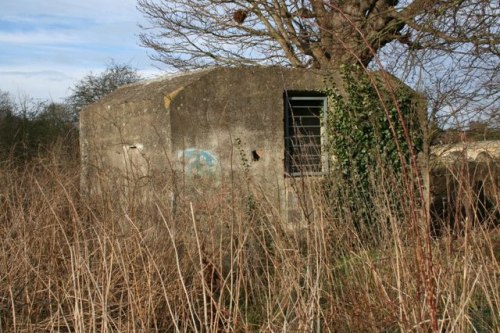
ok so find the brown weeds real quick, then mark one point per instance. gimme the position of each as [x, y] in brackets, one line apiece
[74, 264]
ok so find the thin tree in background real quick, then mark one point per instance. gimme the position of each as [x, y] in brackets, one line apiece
[95, 86]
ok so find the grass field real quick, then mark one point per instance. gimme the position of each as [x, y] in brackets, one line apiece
[74, 264]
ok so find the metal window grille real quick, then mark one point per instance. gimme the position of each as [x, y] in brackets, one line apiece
[304, 135]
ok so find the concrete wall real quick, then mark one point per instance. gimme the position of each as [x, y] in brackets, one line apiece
[471, 151]
[205, 124]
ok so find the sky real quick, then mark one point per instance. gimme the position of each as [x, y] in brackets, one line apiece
[47, 46]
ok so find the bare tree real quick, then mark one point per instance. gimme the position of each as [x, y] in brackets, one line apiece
[446, 49]
[6, 104]
[456, 64]
[94, 86]
[303, 33]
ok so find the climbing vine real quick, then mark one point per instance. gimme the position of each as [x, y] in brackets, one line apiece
[364, 130]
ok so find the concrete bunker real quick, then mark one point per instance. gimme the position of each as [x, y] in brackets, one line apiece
[197, 129]
[204, 125]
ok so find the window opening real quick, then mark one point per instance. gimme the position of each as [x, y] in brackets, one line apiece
[305, 138]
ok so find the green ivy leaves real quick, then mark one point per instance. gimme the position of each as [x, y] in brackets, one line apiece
[359, 129]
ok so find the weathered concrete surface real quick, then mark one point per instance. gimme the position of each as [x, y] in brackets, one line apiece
[478, 151]
[199, 125]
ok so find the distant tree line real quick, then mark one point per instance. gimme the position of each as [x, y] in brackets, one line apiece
[29, 125]
[476, 130]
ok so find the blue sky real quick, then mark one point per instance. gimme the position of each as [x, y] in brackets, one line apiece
[47, 46]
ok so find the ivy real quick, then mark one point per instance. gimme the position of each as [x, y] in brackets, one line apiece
[360, 137]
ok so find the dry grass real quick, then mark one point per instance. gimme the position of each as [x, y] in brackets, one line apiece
[68, 264]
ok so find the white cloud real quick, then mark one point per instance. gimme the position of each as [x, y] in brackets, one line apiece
[37, 37]
[47, 46]
[101, 10]
[52, 85]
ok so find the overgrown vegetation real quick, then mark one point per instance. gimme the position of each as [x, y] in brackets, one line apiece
[365, 133]
[364, 125]
[29, 126]
[76, 264]
[230, 261]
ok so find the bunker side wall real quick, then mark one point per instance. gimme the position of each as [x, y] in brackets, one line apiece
[128, 140]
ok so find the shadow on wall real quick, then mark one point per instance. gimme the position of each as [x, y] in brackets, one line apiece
[464, 190]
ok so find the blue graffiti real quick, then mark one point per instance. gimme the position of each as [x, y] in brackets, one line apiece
[197, 162]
